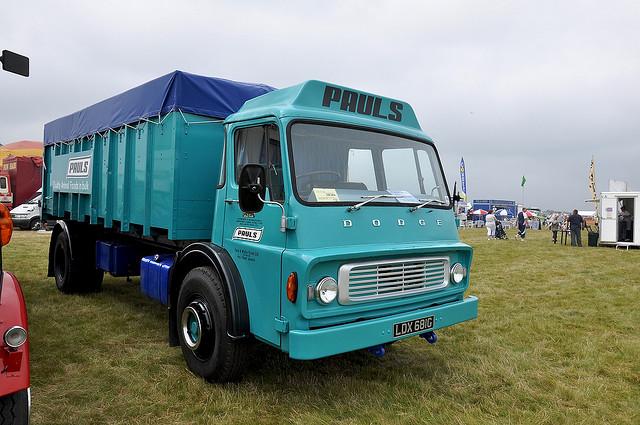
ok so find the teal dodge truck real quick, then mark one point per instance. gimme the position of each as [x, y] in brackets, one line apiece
[314, 218]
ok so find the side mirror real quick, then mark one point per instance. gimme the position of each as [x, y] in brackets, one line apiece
[252, 188]
[39, 203]
[13, 62]
[456, 196]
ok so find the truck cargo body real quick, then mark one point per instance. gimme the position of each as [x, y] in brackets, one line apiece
[314, 218]
[25, 177]
[146, 175]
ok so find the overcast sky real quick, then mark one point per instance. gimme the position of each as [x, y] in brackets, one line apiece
[517, 88]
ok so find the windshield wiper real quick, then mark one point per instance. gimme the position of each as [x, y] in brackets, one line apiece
[426, 202]
[356, 207]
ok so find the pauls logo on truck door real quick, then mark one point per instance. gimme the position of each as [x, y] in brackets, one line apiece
[79, 167]
[247, 234]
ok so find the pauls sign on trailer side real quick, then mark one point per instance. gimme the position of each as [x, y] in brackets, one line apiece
[314, 218]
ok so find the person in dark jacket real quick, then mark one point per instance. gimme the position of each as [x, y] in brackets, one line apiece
[522, 224]
[576, 224]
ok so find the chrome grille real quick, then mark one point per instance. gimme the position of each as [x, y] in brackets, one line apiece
[374, 280]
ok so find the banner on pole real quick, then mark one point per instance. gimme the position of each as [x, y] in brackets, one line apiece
[592, 180]
[463, 177]
[524, 180]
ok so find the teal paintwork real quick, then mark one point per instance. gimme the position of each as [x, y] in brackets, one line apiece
[157, 176]
[166, 177]
[317, 243]
[306, 99]
[258, 262]
[307, 345]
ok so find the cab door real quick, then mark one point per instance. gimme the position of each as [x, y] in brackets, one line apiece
[255, 241]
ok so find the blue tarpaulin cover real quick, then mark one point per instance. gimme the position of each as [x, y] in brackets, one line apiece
[196, 94]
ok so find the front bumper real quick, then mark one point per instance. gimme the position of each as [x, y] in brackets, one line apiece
[317, 343]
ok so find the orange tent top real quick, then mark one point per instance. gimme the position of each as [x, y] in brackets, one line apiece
[21, 148]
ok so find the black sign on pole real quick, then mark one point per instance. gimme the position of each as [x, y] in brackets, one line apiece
[13, 62]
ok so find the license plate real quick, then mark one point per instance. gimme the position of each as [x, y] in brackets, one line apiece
[412, 326]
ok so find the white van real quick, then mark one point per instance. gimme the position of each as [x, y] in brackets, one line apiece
[27, 216]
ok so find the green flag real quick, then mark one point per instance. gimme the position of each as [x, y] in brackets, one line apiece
[523, 181]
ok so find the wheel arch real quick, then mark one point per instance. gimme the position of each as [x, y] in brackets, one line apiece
[201, 254]
[60, 227]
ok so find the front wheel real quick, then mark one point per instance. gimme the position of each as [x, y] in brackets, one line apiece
[34, 224]
[203, 320]
[14, 408]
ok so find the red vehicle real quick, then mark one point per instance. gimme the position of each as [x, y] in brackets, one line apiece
[15, 397]
[6, 196]
[20, 179]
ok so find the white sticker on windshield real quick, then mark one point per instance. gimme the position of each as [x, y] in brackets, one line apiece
[404, 196]
[325, 195]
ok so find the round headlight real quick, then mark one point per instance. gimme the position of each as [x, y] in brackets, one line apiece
[458, 272]
[327, 290]
[15, 336]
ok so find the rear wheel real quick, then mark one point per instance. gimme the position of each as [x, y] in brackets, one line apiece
[203, 320]
[75, 275]
[14, 408]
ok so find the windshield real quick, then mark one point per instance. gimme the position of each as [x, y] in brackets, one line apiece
[347, 165]
[35, 200]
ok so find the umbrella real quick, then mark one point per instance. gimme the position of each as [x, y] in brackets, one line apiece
[530, 214]
[503, 213]
[479, 212]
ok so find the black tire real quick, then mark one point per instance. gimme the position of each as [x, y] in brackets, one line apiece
[203, 320]
[14, 409]
[33, 223]
[94, 280]
[77, 275]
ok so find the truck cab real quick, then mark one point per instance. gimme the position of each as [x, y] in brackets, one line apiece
[27, 216]
[354, 209]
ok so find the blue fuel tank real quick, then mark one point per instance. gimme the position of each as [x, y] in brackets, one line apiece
[154, 276]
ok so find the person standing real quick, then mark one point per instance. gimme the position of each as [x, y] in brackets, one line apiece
[554, 226]
[522, 224]
[490, 222]
[576, 223]
[624, 219]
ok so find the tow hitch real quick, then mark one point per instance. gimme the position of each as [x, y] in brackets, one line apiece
[430, 337]
[377, 350]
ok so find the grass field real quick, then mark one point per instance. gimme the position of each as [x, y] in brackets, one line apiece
[557, 341]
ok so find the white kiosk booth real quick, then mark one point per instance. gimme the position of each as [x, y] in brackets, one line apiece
[620, 219]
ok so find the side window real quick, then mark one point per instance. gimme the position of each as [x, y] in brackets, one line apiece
[261, 145]
[360, 168]
[3, 183]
